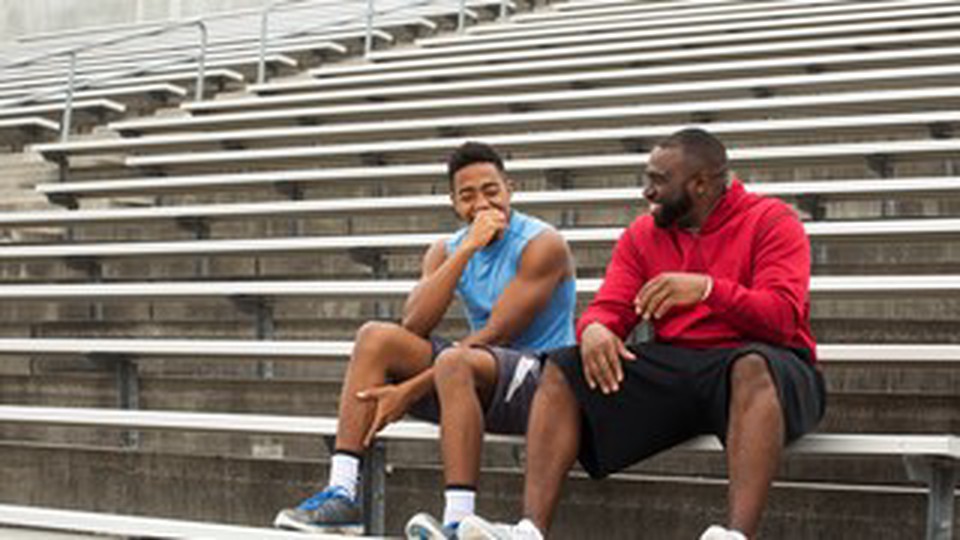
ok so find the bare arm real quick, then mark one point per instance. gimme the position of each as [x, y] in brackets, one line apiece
[431, 297]
[546, 261]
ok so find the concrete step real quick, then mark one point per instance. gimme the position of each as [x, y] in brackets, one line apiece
[250, 490]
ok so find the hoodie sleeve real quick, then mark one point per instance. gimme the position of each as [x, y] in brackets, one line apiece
[772, 308]
[613, 304]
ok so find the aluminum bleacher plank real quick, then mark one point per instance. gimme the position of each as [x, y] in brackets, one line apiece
[741, 130]
[773, 155]
[867, 353]
[905, 99]
[699, 25]
[909, 230]
[877, 100]
[832, 286]
[759, 54]
[140, 526]
[703, 44]
[747, 86]
[841, 189]
[947, 446]
[95, 106]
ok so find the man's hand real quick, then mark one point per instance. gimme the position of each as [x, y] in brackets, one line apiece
[391, 400]
[485, 227]
[669, 290]
[600, 352]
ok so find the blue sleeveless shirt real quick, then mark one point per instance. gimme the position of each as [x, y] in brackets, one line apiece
[491, 269]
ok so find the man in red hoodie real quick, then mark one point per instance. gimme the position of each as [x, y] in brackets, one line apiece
[722, 276]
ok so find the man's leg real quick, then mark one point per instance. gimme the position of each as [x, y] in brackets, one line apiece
[380, 350]
[553, 441]
[465, 379]
[755, 438]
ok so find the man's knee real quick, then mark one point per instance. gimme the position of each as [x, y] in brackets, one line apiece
[459, 368]
[373, 339]
[553, 382]
[750, 379]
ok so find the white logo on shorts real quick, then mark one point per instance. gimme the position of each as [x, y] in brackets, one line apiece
[525, 365]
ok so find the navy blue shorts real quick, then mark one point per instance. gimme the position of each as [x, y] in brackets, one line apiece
[518, 374]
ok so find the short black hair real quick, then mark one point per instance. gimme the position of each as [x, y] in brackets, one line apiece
[699, 145]
[469, 153]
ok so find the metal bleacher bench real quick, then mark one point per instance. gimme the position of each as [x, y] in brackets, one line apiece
[75, 521]
[726, 45]
[583, 139]
[809, 194]
[639, 30]
[833, 286]
[755, 86]
[679, 24]
[607, 61]
[893, 99]
[890, 231]
[878, 156]
[933, 459]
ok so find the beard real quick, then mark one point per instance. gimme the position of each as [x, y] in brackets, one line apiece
[672, 212]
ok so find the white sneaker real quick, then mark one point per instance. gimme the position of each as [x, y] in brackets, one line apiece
[477, 528]
[716, 532]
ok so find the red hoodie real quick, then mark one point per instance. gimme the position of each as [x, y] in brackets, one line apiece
[757, 252]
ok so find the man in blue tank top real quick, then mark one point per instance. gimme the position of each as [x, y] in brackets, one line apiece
[514, 275]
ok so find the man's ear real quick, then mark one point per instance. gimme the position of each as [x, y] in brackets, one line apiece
[511, 185]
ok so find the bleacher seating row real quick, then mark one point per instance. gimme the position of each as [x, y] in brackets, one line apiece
[305, 202]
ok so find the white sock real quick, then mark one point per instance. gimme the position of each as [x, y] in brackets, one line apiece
[530, 528]
[344, 470]
[460, 503]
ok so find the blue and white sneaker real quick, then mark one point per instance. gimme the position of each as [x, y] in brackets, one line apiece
[423, 526]
[477, 528]
[330, 511]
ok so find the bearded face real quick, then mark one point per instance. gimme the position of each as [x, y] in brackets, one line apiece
[673, 209]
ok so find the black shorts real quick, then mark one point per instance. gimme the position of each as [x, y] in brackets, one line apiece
[671, 394]
[518, 374]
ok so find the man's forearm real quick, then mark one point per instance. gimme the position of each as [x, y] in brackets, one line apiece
[430, 299]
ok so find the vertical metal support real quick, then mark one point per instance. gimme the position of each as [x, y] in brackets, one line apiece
[462, 16]
[67, 117]
[941, 476]
[262, 62]
[128, 395]
[504, 9]
[375, 489]
[201, 72]
[368, 39]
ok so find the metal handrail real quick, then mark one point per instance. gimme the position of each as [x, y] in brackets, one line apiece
[368, 16]
[75, 50]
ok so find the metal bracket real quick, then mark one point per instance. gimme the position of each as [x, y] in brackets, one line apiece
[127, 380]
[62, 199]
[941, 130]
[941, 476]
[761, 92]
[813, 206]
[881, 165]
[291, 190]
[374, 489]
[262, 310]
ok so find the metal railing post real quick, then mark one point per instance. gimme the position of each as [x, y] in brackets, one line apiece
[201, 75]
[262, 62]
[503, 9]
[67, 117]
[462, 16]
[368, 40]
